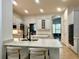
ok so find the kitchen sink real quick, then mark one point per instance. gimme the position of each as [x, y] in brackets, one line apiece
[31, 40]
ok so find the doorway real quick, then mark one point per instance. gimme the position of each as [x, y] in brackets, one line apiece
[32, 29]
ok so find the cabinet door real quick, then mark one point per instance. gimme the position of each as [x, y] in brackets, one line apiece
[78, 46]
[75, 45]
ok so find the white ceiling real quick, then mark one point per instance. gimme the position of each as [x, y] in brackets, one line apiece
[49, 6]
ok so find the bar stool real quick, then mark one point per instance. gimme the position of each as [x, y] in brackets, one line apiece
[37, 52]
[13, 50]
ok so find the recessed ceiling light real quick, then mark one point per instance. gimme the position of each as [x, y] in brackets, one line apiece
[37, 1]
[41, 10]
[15, 3]
[26, 11]
[64, 0]
[59, 9]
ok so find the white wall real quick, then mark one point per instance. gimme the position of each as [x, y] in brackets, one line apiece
[1, 29]
[37, 20]
[76, 30]
[74, 19]
[70, 16]
[67, 18]
[71, 21]
[6, 16]
[76, 24]
[65, 28]
[17, 20]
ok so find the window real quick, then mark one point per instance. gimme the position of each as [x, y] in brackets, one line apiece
[43, 24]
[34, 27]
[56, 25]
[56, 28]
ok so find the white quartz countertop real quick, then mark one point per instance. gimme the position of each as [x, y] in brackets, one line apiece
[42, 43]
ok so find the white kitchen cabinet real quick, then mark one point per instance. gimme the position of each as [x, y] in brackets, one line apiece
[78, 46]
[75, 45]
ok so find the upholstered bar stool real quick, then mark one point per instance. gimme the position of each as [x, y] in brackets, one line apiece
[38, 52]
[12, 51]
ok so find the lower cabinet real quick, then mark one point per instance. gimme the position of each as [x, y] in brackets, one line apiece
[78, 47]
[75, 46]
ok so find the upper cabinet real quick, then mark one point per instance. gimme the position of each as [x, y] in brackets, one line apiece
[76, 24]
[74, 19]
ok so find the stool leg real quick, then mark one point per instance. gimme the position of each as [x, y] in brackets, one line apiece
[6, 54]
[19, 54]
[48, 54]
[45, 55]
[29, 55]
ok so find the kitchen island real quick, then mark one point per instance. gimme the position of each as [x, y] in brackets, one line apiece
[52, 44]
